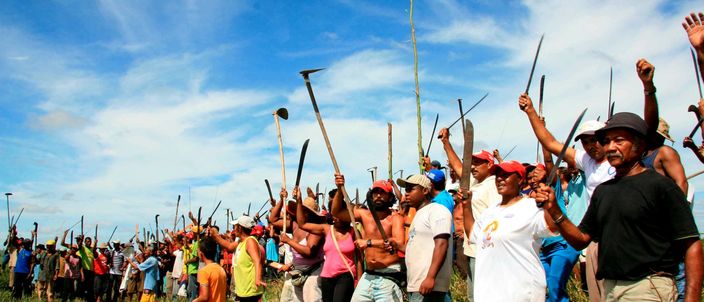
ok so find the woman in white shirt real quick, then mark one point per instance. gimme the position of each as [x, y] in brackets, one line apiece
[508, 236]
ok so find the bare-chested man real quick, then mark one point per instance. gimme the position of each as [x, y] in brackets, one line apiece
[383, 276]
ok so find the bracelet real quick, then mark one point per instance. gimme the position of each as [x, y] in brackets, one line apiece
[559, 219]
[650, 92]
[369, 243]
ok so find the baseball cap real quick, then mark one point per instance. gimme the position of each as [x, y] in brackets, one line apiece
[382, 184]
[625, 120]
[436, 176]
[116, 241]
[244, 221]
[588, 128]
[416, 179]
[51, 242]
[536, 165]
[510, 166]
[664, 130]
[258, 230]
[485, 155]
[436, 164]
[103, 245]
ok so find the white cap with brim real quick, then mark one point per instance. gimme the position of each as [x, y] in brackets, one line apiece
[417, 179]
[244, 221]
[588, 128]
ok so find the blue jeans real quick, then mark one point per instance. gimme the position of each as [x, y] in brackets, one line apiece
[432, 297]
[376, 289]
[192, 287]
[679, 281]
[558, 260]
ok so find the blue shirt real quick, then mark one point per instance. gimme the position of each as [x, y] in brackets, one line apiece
[560, 199]
[272, 253]
[576, 198]
[150, 267]
[445, 199]
[23, 259]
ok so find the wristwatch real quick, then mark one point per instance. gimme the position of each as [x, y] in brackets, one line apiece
[369, 243]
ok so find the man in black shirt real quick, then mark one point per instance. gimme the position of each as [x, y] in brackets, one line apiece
[641, 220]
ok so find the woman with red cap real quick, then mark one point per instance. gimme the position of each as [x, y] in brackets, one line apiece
[508, 237]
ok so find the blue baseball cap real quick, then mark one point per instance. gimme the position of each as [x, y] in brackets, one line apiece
[436, 176]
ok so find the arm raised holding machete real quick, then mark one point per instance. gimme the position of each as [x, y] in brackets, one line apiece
[544, 136]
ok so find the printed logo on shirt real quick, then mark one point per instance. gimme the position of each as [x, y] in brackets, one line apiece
[493, 226]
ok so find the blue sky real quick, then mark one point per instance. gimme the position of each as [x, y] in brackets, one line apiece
[112, 108]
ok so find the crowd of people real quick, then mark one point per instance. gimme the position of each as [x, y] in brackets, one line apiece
[615, 216]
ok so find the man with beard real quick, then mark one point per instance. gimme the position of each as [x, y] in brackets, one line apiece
[383, 278]
[592, 161]
[642, 216]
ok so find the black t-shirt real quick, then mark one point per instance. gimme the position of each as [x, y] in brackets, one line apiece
[636, 220]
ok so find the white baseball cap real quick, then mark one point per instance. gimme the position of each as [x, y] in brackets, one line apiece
[244, 221]
[588, 128]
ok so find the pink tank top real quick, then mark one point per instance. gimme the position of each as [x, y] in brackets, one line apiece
[333, 265]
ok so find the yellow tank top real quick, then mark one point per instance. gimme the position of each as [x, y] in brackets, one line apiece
[245, 272]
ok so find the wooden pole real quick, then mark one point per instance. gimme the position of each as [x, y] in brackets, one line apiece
[417, 91]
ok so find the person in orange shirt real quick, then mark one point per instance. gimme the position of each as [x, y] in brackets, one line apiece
[212, 277]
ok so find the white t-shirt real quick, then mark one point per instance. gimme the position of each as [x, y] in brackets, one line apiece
[484, 195]
[508, 240]
[430, 221]
[178, 264]
[596, 173]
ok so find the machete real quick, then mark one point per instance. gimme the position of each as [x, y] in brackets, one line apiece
[435, 126]
[268, 188]
[535, 60]
[561, 156]
[611, 80]
[372, 210]
[300, 162]
[467, 156]
[696, 72]
[468, 110]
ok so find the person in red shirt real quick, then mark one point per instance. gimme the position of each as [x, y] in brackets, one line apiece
[100, 266]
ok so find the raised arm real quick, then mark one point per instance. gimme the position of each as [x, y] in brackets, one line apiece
[301, 217]
[230, 246]
[645, 72]
[695, 31]
[338, 204]
[544, 136]
[454, 161]
[63, 240]
[275, 214]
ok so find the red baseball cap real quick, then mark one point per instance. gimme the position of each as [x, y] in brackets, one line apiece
[538, 166]
[382, 184]
[485, 155]
[510, 166]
